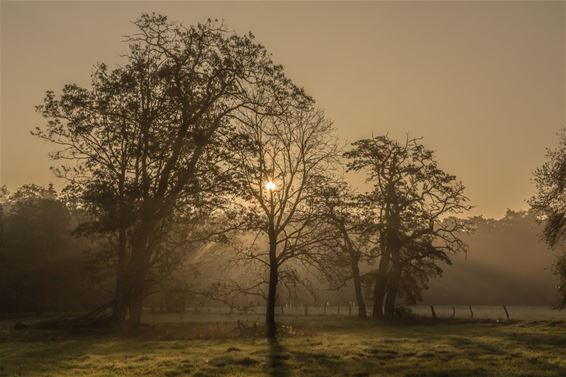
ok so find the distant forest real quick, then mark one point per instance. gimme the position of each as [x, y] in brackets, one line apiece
[507, 262]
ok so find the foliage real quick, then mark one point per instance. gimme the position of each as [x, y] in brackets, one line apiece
[560, 272]
[350, 240]
[144, 147]
[549, 204]
[411, 201]
[42, 263]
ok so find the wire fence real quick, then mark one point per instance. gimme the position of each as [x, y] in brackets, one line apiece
[470, 312]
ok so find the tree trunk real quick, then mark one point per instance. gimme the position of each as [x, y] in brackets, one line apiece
[270, 326]
[380, 286]
[394, 273]
[136, 304]
[120, 307]
[138, 289]
[135, 273]
[379, 296]
[362, 313]
[393, 282]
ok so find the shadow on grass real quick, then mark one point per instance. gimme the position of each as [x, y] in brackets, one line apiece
[277, 359]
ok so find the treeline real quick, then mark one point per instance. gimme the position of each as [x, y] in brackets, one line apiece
[43, 266]
[47, 267]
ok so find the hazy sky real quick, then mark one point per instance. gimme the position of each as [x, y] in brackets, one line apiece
[482, 82]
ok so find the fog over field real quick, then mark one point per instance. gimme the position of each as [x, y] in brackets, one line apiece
[507, 263]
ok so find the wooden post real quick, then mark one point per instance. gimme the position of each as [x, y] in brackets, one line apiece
[471, 312]
[325, 305]
[338, 308]
[453, 312]
[306, 309]
[506, 312]
[349, 309]
[433, 312]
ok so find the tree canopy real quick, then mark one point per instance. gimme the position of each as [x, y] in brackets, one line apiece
[145, 141]
[411, 198]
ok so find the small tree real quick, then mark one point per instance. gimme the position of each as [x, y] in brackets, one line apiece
[411, 196]
[549, 205]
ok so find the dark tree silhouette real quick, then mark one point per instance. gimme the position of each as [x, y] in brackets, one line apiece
[145, 141]
[548, 205]
[351, 241]
[40, 260]
[411, 197]
[282, 160]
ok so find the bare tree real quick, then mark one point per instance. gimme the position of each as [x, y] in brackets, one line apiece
[282, 160]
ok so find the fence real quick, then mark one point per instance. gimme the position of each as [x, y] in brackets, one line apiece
[460, 312]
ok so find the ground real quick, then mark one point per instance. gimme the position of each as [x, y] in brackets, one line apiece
[311, 346]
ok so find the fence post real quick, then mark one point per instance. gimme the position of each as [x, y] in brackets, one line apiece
[433, 312]
[453, 312]
[506, 312]
[471, 312]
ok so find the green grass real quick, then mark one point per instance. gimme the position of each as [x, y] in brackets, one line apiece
[323, 346]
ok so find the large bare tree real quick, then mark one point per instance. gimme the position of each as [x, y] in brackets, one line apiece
[282, 162]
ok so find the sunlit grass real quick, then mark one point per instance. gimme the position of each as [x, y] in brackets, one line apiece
[328, 346]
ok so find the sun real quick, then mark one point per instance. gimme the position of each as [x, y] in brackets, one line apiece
[270, 186]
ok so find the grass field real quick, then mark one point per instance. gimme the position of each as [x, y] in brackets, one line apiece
[312, 346]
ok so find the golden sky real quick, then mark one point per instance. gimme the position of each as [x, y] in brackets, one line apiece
[482, 81]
